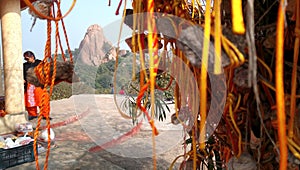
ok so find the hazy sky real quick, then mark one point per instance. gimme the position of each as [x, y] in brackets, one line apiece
[84, 14]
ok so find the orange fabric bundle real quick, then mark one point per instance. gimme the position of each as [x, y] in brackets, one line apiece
[33, 98]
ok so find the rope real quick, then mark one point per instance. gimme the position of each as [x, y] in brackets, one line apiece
[133, 42]
[231, 112]
[124, 115]
[293, 146]
[40, 71]
[153, 54]
[281, 117]
[45, 109]
[29, 4]
[143, 109]
[57, 40]
[294, 76]
[66, 38]
[43, 72]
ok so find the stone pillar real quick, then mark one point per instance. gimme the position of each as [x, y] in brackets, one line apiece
[2, 91]
[10, 14]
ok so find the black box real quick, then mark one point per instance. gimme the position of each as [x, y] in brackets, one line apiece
[16, 156]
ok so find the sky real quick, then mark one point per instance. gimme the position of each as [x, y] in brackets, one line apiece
[84, 14]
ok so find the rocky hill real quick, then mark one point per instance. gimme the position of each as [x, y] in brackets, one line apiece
[95, 49]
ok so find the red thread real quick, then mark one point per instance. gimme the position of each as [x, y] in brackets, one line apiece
[120, 139]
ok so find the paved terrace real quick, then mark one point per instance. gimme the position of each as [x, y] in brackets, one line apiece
[102, 139]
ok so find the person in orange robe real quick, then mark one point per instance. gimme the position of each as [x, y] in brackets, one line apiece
[33, 95]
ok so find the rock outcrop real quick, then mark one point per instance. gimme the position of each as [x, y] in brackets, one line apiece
[95, 49]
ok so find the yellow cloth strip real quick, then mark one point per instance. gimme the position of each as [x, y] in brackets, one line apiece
[203, 74]
[152, 47]
[133, 42]
[238, 26]
[218, 34]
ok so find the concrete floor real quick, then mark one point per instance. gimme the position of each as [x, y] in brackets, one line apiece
[91, 134]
